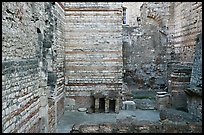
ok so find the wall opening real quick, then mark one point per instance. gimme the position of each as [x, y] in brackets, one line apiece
[101, 105]
[112, 105]
[124, 15]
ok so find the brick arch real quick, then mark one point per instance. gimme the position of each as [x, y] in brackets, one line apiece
[155, 16]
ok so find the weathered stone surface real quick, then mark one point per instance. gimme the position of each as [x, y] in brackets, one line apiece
[128, 105]
[196, 76]
[148, 104]
[87, 44]
[129, 126]
[176, 115]
[89, 129]
[140, 57]
[82, 109]
[93, 48]
[25, 66]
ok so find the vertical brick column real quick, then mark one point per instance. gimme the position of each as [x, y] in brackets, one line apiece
[96, 104]
[106, 105]
[117, 105]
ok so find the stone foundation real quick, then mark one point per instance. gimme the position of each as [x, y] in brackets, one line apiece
[139, 127]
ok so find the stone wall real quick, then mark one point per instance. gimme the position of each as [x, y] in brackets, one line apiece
[194, 91]
[42, 43]
[184, 28]
[59, 57]
[20, 78]
[128, 126]
[93, 49]
[32, 48]
[166, 32]
[186, 25]
[20, 96]
[51, 117]
[196, 75]
[144, 48]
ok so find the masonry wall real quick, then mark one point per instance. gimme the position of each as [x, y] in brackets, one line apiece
[32, 51]
[58, 63]
[93, 50]
[129, 126]
[20, 78]
[194, 97]
[132, 12]
[187, 24]
[145, 47]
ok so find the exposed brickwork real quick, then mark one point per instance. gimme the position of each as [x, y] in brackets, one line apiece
[194, 91]
[18, 42]
[59, 54]
[51, 118]
[185, 30]
[187, 24]
[25, 64]
[93, 47]
[59, 60]
[20, 97]
[35, 128]
[20, 78]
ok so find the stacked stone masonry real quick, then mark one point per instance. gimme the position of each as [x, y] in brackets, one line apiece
[93, 50]
[144, 48]
[25, 65]
[20, 79]
[194, 90]
[187, 24]
[129, 126]
[57, 55]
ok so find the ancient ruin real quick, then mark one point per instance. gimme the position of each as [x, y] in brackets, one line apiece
[102, 67]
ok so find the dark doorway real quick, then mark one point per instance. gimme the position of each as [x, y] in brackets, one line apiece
[101, 105]
[111, 105]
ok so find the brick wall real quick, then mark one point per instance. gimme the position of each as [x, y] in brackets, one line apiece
[186, 25]
[20, 78]
[32, 47]
[58, 63]
[51, 117]
[93, 47]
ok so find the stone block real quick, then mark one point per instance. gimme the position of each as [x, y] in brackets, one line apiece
[128, 105]
[82, 109]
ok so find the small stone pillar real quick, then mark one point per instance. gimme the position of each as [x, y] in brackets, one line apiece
[106, 105]
[96, 104]
[163, 100]
[117, 105]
